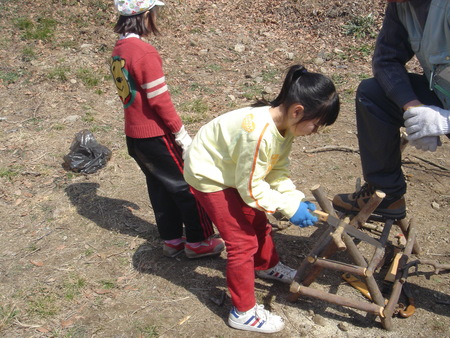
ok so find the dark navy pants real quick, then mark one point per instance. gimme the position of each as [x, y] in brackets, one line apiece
[378, 122]
[160, 158]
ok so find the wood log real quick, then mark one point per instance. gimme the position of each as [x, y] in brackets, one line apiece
[398, 283]
[338, 266]
[368, 209]
[339, 300]
[403, 225]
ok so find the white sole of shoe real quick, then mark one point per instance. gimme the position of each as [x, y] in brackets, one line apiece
[286, 281]
[192, 254]
[240, 326]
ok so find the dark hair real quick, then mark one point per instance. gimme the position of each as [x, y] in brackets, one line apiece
[137, 24]
[314, 91]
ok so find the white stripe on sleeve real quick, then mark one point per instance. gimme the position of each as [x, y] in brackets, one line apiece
[154, 83]
[157, 92]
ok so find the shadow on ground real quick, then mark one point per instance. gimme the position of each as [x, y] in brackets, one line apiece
[109, 213]
[425, 299]
[210, 288]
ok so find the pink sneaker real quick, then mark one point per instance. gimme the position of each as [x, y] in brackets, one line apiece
[208, 247]
[173, 250]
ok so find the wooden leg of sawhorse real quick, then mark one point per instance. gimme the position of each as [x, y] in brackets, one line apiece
[399, 278]
[324, 240]
[325, 247]
[298, 290]
[404, 226]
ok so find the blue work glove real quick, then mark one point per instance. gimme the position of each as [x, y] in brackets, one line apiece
[302, 216]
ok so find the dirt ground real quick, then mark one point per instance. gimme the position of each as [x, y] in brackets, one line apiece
[80, 254]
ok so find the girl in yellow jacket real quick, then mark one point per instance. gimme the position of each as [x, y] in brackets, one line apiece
[238, 165]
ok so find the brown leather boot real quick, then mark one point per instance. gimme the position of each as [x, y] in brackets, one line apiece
[393, 207]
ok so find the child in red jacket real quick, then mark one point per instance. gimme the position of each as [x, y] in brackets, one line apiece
[156, 137]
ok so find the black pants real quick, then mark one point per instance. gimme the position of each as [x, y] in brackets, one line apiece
[378, 122]
[171, 198]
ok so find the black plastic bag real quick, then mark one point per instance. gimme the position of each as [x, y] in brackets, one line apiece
[86, 155]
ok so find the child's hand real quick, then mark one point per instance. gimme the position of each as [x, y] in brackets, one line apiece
[183, 139]
[302, 216]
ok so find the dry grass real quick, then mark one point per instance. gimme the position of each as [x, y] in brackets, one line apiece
[80, 254]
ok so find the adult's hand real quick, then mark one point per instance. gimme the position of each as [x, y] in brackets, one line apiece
[303, 216]
[425, 121]
[427, 143]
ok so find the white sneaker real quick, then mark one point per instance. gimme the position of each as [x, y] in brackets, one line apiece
[279, 272]
[256, 319]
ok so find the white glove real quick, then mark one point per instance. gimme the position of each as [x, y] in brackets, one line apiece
[427, 143]
[183, 139]
[426, 121]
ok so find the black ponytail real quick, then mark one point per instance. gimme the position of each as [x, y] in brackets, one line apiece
[314, 91]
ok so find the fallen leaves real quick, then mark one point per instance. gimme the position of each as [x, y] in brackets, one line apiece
[37, 263]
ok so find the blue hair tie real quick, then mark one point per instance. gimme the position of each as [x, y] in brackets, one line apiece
[299, 72]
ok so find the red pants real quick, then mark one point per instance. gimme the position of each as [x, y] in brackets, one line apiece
[248, 239]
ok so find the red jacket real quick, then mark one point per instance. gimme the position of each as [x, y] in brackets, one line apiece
[137, 71]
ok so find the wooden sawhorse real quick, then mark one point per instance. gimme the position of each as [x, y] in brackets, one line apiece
[337, 239]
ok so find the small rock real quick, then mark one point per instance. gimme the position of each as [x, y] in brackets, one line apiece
[239, 48]
[322, 54]
[319, 320]
[343, 327]
[59, 212]
[435, 205]
[290, 56]
[72, 118]
[268, 90]
[319, 61]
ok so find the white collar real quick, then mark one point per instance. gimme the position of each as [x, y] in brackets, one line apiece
[129, 35]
